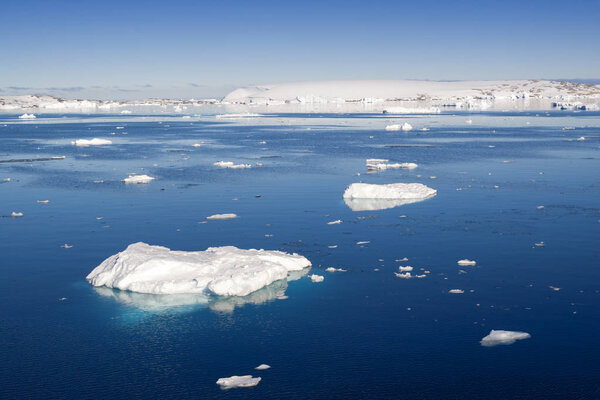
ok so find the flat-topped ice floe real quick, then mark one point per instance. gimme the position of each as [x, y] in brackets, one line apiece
[503, 337]
[364, 196]
[236, 116]
[90, 142]
[230, 164]
[138, 179]
[466, 262]
[222, 216]
[244, 381]
[224, 271]
[380, 164]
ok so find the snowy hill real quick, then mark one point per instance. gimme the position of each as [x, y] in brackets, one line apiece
[436, 93]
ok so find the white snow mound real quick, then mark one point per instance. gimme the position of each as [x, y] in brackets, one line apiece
[503, 337]
[224, 271]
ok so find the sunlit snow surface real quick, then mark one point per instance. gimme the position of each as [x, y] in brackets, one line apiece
[362, 332]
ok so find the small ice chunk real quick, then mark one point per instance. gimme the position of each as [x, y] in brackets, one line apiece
[316, 278]
[469, 121]
[43, 201]
[456, 291]
[332, 246]
[27, 116]
[406, 275]
[333, 269]
[230, 164]
[90, 142]
[540, 207]
[66, 246]
[336, 222]
[556, 289]
[222, 216]
[244, 381]
[540, 244]
[15, 214]
[197, 144]
[363, 242]
[497, 337]
[263, 366]
[581, 138]
[466, 262]
[138, 179]
[408, 268]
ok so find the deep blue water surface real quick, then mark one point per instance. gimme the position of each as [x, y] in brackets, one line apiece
[359, 334]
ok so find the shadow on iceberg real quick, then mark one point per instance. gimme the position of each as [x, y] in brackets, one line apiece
[378, 204]
[187, 302]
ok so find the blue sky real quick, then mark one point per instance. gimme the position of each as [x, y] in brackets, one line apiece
[134, 49]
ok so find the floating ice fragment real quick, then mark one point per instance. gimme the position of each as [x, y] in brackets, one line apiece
[234, 116]
[336, 222]
[138, 179]
[406, 275]
[456, 291]
[540, 244]
[244, 381]
[405, 269]
[62, 299]
[581, 138]
[66, 246]
[224, 271]
[197, 145]
[43, 201]
[556, 289]
[90, 142]
[363, 242]
[540, 207]
[333, 269]
[263, 366]
[364, 196]
[397, 127]
[27, 116]
[333, 246]
[222, 216]
[230, 164]
[15, 214]
[497, 337]
[466, 262]
[379, 164]
[316, 278]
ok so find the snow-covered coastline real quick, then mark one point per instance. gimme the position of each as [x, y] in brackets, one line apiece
[390, 97]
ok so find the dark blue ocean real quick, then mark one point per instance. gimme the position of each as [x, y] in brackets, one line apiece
[360, 334]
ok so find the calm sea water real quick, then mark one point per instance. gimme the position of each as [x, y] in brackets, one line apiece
[359, 334]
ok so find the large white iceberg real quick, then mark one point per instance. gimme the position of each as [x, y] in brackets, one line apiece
[364, 196]
[224, 271]
[503, 337]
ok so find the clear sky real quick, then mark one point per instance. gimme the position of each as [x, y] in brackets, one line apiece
[184, 48]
